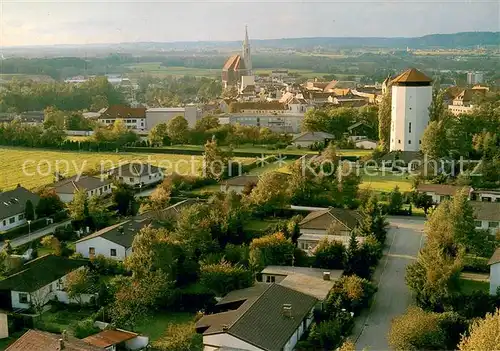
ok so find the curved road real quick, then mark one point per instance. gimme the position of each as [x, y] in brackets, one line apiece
[404, 238]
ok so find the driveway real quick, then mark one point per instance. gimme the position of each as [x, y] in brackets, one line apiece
[393, 297]
[21, 240]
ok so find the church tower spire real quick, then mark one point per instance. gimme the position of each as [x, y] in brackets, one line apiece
[247, 58]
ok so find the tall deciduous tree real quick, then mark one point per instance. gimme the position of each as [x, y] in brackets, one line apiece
[49, 203]
[270, 192]
[78, 283]
[384, 121]
[215, 161]
[483, 334]
[272, 249]
[437, 106]
[178, 129]
[158, 133]
[224, 277]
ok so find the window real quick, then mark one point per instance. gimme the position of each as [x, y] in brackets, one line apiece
[91, 251]
[20, 217]
[112, 252]
[4, 222]
[51, 288]
[131, 180]
[23, 298]
[409, 141]
[91, 192]
[492, 224]
[12, 220]
[149, 177]
[100, 191]
[270, 279]
[477, 224]
[399, 141]
[409, 126]
[420, 141]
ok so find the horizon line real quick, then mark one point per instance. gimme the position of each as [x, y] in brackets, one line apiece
[237, 41]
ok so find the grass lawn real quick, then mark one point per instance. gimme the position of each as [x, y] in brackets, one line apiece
[468, 286]
[385, 182]
[40, 165]
[155, 326]
[61, 320]
[271, 167]
[259, 224]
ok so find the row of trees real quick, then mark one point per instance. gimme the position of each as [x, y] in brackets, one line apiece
[444, 311]
[177, 131]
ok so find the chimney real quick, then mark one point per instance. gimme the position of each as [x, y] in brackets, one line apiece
[326, 275]
[61, 344]
[287, 310]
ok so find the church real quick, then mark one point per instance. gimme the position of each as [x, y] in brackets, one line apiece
[237, 66]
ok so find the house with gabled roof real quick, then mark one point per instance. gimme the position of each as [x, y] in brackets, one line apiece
[39, 281]
[332, 224]
[441, 192]
[43, 341]
[113, 242]
[486, 215]
[237, 184]
[93, 186]
[307, 139]
[265, 317]
[13, 206]
[137, 174]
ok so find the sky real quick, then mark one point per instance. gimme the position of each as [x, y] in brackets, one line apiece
[39, 22]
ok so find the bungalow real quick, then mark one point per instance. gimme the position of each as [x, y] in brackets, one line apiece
[491, 195]
[237, 184]
[265, 317]
[309, 138]
[314, 282]
[137, 174]
[39, 281]
[94, 186]
[13, 206]
[486, 215]
[333, 224]
[494, 264]
[44, 341]
[112, 242]
[441, 192]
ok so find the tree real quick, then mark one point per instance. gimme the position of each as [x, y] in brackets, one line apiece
[437, 106]
[54, 118]
[160, 197]
[384, 121]
[49, 203]
[29, 211]
[207, 123]
[270, 192]
[224, 277]
[215, 161]
[422, 200]
[158, 134]
[329, 255]
[124, 199]
[483, 334]
[192, 230]
[177, 337]
[178, 129]
[417, 330]
[272, 249]
[434, 142]
[52, 243]
[79, 282]
[395, 201]
[373, 222]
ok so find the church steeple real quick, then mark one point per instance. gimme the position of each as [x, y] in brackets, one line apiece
[246, 53]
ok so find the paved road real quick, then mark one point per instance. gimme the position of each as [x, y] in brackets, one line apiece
[393, 297]
[35, 235]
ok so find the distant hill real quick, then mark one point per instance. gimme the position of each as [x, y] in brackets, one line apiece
[432, 41]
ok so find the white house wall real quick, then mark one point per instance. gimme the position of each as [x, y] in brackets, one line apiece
[494, 278]
[102, 247]
[101, 191]
[146, 180]
[409, 105]
[227, 341]
[5, 223]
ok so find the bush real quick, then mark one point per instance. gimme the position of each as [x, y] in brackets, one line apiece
[84, 328]
[476, 264]
[329, 255]
[223, 277]
[106, 266]
[192, 298]
[351, 293]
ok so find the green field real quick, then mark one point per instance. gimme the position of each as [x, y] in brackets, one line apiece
[156, 70]
[155, 326]
[35, 167]
[385, 182]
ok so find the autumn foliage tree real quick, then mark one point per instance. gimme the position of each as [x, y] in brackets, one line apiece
[224, 277]
[274, 249]
[484, 334]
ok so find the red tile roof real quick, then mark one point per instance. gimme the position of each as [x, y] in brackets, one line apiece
[107, 338]
[442, 189]
[43, 341]
[234, 63]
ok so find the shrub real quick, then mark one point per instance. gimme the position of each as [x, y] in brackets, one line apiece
[329, 255]
[224, 277]
[106, 266]
[351, 293]
[84, 328]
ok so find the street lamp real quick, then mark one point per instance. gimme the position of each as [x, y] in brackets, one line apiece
[29, 230]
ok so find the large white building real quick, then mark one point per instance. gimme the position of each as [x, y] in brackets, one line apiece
[411, 98]
[159, 115]
[475, 78]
